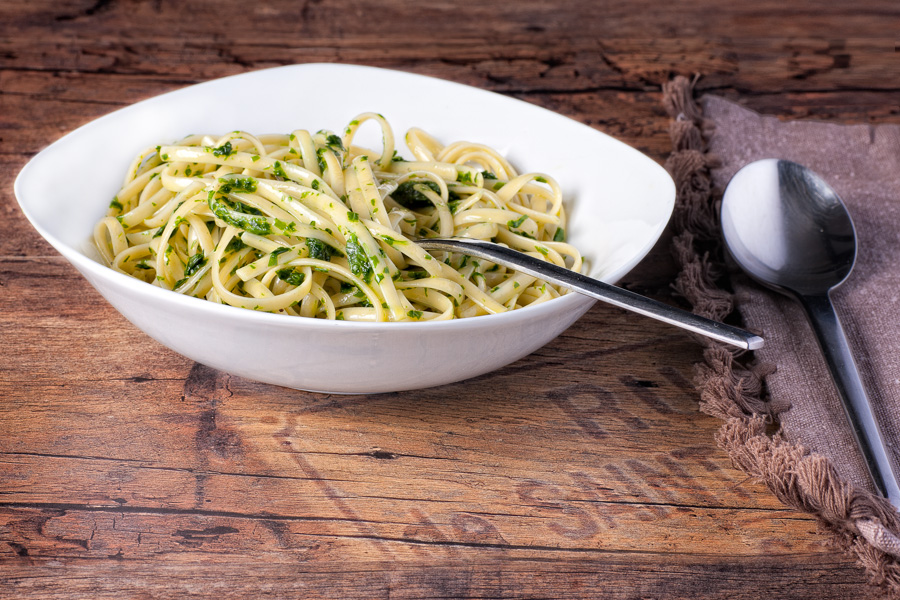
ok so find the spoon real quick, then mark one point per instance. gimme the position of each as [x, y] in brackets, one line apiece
[594, 288]
[791, 232]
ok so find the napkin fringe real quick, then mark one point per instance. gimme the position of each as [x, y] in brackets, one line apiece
[732, 384]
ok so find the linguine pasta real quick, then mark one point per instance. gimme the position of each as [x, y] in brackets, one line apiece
[311, 225]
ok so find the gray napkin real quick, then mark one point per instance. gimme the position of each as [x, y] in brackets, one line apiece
[811, 462]
[862, 164]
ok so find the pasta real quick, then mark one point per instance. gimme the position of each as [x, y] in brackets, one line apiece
[311, 225]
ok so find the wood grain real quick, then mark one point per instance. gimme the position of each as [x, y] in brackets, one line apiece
[582, 471]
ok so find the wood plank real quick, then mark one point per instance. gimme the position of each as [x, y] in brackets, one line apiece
[460, 576]
[615, 18]
[510, 63]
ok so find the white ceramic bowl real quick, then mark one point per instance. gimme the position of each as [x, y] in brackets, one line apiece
[618, 200]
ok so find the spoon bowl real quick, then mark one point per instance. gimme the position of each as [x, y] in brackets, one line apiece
[787, 228]
[790, 231]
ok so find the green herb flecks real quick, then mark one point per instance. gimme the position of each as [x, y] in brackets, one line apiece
[465, 177]
[252, 223]
[286, 227]
[408, 196]
[359, 261]
[225, 150]
[237, 184]
[273, 258]
[392, 241]
[235, 244]
[513, 224]
[560, 235]
[194, 264]
[291, 276]
[319, 249]
[334, 143]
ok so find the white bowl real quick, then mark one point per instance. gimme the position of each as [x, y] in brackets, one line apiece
[618, 202]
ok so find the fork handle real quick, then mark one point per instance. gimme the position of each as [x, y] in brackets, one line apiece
[594, 288]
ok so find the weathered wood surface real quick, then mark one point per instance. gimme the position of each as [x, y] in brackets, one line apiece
[582, 471]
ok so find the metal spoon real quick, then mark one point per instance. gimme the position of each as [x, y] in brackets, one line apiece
[790, 231]
[594, 288]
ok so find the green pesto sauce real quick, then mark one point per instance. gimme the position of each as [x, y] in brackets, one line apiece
[235, 244]
[334, 143]
[253, 223]
[225, 150]
[194, 264]
[408, 196]
[392, 241]
[560, 235]
[237, 184]
[359, 262]
[512, 224]
[464, 177]
[291, 276]
[273, 258]
[319, 249]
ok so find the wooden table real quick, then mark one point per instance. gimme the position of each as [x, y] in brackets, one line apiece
[583, 471]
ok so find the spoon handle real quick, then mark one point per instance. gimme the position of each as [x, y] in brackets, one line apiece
[856, 403]
[594, 288]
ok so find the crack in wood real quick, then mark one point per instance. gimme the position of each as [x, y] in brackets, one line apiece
[60, 508]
